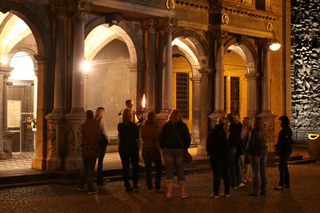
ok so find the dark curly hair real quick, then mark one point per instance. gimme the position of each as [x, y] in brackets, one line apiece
[285, 121]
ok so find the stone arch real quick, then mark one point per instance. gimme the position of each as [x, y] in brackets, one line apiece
[129, 37]
[247, 52]
[136, 54]
[196, 43]
[43, 41]
[41, 34]
[249, 55]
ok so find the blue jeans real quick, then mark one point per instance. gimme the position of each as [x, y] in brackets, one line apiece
[152, 155]
[174, 159]
[259, 170]
[87, 171]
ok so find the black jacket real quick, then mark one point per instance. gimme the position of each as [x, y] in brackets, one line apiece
[128, 135]
[169, 139]
[217, 143]
[284, 144]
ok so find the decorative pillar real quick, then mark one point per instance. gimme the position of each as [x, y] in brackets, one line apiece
[76, 116]
[252, 107]
[266, 114]
[151, 67]
[196, 99]
[166, 105]
[203, 111]
[219, 79]
[219, 83]
[161, 46]
[55, 120]
[39, 161]
[4, 71]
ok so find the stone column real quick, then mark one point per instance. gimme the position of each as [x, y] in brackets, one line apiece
[203, 111]
[219, 84]
[196, 99]
[161, 46]
[219, 79]
[151, 67]
[166, 105]
[76, 116]
[266, 114]
[39, 161]
[252, 107]
[55, 120]
[3, 72]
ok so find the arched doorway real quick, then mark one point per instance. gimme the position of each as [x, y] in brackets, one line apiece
[114, 74]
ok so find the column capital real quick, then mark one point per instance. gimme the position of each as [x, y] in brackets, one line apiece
[80, 8]
[204, 71]
[5, 70]
[252, 76]
[59, 9]
[150, 25]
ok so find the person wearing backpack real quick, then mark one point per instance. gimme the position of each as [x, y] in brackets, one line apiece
[218, 148]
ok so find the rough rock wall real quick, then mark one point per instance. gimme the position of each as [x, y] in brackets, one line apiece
[305, 68]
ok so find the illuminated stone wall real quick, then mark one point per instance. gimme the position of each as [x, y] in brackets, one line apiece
[305, 68]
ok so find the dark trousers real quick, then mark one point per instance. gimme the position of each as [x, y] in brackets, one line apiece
[220, 168]
[152, 155]
[283, 169]
[235, 171]
[127, 157]
[100, 165]
[87, 171]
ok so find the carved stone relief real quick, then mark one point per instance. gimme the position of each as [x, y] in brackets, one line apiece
[305, 67]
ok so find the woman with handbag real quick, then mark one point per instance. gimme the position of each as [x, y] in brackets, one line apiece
[100, 112]
[175, 141]
[128, 149]
[284, 149]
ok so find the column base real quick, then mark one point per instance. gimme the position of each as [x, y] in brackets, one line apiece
[38, 163]
[3, 155]
[201, 150]
[268, 119]
[73, 164]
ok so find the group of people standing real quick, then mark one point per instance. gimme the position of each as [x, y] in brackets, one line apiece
[238, 154]
[173, 139]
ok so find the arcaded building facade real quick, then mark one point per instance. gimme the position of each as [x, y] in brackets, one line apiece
[205, 58]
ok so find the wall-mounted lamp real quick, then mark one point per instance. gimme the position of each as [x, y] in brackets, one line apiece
[86, 66]
[274, 43]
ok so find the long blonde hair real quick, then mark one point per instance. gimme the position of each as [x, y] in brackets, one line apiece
[175, 116]
[257, 124]
[223, 121]
[100, 111]
[127, 116]
[246, 127]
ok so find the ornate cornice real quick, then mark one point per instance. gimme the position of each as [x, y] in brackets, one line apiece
[192, 4]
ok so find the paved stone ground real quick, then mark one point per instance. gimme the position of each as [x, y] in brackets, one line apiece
[303, 196]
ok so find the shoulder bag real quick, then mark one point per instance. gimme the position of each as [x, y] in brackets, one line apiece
[104, 142]
[187, 157]
[91, 151]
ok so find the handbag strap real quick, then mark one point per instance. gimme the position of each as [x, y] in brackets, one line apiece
[178, 135]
